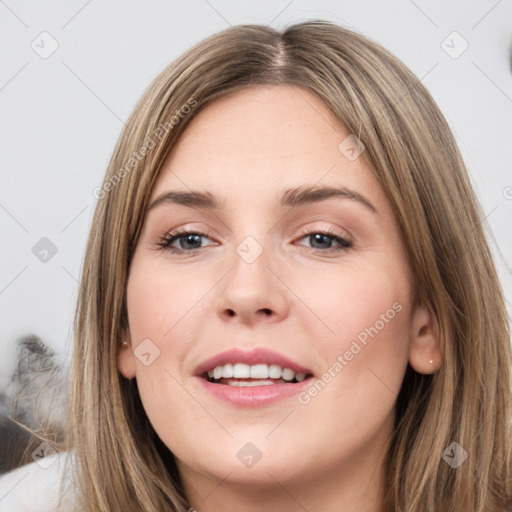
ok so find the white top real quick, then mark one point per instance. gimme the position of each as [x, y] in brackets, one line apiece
[36, 487]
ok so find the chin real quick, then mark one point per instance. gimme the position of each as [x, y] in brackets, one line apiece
[249, 463]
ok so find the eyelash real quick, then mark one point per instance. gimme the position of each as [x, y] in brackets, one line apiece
[344, 244]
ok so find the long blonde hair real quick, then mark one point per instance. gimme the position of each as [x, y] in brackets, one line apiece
[121, 463]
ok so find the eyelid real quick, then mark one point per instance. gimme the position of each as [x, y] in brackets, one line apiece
[182, 231]
[204, 230]
[344, 241]
[342, 233]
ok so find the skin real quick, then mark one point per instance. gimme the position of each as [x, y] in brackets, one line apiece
[295, 298]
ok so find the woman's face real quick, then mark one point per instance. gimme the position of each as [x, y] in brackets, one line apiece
[256, 287]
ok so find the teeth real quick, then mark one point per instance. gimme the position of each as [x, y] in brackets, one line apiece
[255, 371]
[259, 371]
[228, 371]
[240, 371]
[275, 371]
[242, 383]
[288, 374]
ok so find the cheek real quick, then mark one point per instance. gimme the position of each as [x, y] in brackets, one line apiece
[364, 360]
[159, 298]
[359, 334]
[365, 335]
[373, 308]
[162, 304]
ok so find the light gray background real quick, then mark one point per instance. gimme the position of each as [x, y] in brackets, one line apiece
[61, 117]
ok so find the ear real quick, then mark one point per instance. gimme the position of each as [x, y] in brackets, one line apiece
[126, 358]
[425, 354]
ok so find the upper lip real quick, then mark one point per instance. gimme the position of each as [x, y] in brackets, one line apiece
[250, 357]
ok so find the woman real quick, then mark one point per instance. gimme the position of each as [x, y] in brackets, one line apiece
[262, 369]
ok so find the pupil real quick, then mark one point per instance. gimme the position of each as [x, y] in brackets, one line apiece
[187, 238]
[318, 237]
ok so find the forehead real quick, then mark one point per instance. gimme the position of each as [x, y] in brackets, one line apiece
[261, 141]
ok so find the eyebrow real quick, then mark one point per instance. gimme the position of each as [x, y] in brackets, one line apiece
[292, 197]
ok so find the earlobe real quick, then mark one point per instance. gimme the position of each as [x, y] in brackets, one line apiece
[126, 359]
[425, 354]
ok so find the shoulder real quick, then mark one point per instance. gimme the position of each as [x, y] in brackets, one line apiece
[39, 486]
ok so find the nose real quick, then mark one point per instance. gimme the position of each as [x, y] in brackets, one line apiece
[252, 292]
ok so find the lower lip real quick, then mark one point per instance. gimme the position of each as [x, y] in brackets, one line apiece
[253, 396]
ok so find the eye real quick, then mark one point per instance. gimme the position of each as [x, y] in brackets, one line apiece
[321, 238]
[187, 240]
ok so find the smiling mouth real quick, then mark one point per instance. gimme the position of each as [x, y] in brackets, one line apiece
[244, 375]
